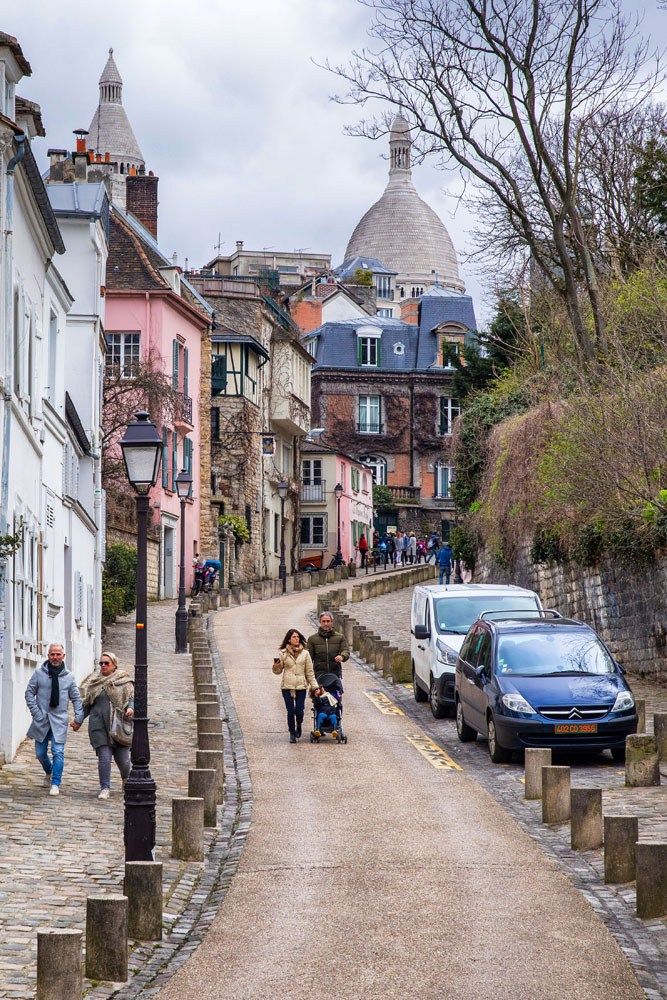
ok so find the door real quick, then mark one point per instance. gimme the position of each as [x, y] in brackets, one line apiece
[468, 678]
[424, 647]
[168, 564]
[478, 696]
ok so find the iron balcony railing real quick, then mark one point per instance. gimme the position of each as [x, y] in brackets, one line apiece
[184, 408]
[370, 428]
[313, 492]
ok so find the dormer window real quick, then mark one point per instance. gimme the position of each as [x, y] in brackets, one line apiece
[368, 347]
[451, 339]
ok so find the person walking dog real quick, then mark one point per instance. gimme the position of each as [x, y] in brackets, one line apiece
[293, 662]
[328, 649]
[49, 691]
[108, 704]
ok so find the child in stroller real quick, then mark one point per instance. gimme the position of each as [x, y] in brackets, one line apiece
[328, 709]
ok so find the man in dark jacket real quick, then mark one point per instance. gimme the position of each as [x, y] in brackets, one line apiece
[327, 648]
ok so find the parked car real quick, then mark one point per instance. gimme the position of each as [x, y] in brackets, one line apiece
[440, 619]
[541, 682]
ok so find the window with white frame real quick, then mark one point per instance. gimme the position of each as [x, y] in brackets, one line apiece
[354, 479]
[368, 351]
[313, 529]
[383, 286]
[123, 353]
[385, 313]
[27, 625]
[450, 409]
[444, 477]
[311, 471]
[378, 467]
[287, 461]
[71, 468]
[369, 415]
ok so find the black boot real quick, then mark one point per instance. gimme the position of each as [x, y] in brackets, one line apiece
[298, 728]
[292, 738]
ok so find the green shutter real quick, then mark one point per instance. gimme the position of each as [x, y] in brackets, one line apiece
[165, 460]
[174, 459]
[186, 365]
[174, 364]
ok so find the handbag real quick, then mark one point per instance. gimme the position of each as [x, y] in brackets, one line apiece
[121, 728]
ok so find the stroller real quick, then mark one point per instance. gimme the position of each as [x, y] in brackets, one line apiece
[333, 685]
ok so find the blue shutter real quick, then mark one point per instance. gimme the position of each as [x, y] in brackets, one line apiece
[165, 460]
[186, 365]
[174, 364]
[174, 459]
[188, 462]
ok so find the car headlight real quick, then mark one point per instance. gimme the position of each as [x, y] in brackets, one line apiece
[517, 703]
[446, 655]
[624, 701]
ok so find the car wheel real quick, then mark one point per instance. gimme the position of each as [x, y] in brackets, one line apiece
[465, 733]
[618, 755]
[419, 693]
[438, 710]
[498, 754]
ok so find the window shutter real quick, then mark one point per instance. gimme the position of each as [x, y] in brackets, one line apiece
[78, 598]
[165, 460]
[378, 349]
[174, 364]
[103, 527]
[186, 366]
[219, 375]
[89, 608]
[174, 459]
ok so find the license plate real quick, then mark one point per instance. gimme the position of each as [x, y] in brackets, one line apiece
[574, 728]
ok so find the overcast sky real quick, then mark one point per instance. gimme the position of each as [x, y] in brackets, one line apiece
[233, 114]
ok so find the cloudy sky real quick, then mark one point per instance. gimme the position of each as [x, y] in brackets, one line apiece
[233, 114]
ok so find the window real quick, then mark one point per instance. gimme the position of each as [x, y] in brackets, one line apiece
[354, 480]
[165, 459]
[451, 350]
[444, 477]
[27, 625]
[174, 459]
[276, 533]
[175, 348]
[450, 409]
[383, 286]
[219, 376]
[123, 354]
[70, 472]
[364, 482]
[313, 529]
[369, 415]
[368, 351]
[379, 469]
[343, 474]
[53, 358]
[311, 347]
[215, 423]
[385, 313]
[287, 460]
[187, 455]
[311, 471]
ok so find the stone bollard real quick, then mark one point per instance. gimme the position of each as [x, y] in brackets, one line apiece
[651, 880]
[143, 888]
[306, 581]
[586, 831]
[213, 725]
[401, 667]
[187, 829]
[535, 760]
[640, 709]
[329, 576]
[555, 794]
[345, 572]
[203, 674]
[660, 730]
[204, 694]
[210, 741]
[337, 574]
[59, 972]
[215, 760]
[208, 710]
[106, 938]
[203, 784]
[642, 767]
[620, 840]
[356, 637]
[356, 593]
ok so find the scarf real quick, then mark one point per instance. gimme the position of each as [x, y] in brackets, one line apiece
[118, 686]
[54, 674]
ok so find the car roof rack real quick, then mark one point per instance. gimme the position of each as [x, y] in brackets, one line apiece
[526, 614]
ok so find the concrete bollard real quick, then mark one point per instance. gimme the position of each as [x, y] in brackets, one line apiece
[210, 741]
[215, 760]
[642, 767]
[586, 832]
[306, 581]
[203, 675]
[203, 784]
[356, 593]
[337, 574]
[106, 938]
[620, 841]
[660, 730]
[651, 880]
[187, 829]
[555, 794]
[59, 972]
[329, 576]
[207, 710]
[401, 667]
[212, 725]
[535, 760]
[204, 694]
[640, 709]
[143, 888]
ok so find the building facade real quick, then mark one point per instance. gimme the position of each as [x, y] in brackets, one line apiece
[272, 269]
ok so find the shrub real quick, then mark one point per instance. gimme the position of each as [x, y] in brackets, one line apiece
[547, 547]
[465, 545]
[119, 581]
[588, 545]
[237, 524]
[382, 497]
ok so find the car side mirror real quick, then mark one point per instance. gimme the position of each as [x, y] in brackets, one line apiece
[422, 632]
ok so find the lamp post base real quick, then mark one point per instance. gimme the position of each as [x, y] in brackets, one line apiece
[139, 833]
[181, 630]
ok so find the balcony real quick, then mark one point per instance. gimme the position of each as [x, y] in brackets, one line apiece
[406, 495]
[386, 293]
[183, 412]
[314, 492]
[370, 428]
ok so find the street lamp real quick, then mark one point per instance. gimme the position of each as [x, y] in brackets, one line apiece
[338, 492]
[141, 447]
[283, 487]
[183, 489]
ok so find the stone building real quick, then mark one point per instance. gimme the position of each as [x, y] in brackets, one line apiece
[272, 269]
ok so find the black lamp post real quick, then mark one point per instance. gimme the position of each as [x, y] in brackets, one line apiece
[338, 492]
[183, 489]
[142, 449]
[283, 487]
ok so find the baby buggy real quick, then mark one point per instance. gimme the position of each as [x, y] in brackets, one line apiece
[328, 711]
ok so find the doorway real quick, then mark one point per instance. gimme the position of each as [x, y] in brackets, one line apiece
[168, 563]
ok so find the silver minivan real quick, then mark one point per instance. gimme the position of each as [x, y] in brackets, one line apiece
[439, 621]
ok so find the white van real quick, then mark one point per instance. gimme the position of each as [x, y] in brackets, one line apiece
[440, 619]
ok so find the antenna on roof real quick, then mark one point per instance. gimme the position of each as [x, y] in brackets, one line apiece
[217, 246]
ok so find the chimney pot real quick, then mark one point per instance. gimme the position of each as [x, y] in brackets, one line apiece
[239, 245]
[141, 199]
[107, 157]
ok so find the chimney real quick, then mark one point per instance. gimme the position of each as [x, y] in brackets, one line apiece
[80, 159]
[56, 161]
[141, 199]
[239, 246]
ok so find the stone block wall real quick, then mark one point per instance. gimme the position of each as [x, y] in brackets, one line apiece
[627, 605]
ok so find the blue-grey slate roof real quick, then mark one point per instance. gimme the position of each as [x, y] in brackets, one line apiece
[348, 267]
[441, 305]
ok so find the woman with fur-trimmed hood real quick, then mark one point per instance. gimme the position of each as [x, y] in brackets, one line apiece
[111, 690]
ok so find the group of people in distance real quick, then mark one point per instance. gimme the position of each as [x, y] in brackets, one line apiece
[403, 548]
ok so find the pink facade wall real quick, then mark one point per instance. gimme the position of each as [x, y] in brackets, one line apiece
[349, 507]
[160, 321]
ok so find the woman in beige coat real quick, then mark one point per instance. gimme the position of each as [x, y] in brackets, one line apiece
[294, 664]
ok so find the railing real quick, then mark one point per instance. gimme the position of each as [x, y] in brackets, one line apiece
[409, 493]
[184, 408]
[313, 492]
[370, 428]
[386, 293]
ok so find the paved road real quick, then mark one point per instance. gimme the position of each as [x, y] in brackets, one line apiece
[369, 872]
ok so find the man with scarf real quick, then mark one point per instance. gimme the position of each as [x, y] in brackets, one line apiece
[49, 691]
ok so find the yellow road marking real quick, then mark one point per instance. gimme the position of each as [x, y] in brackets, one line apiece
[408, 685]
[433, 753]
[383, 703]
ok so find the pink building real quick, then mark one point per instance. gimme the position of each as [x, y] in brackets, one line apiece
[154, 316]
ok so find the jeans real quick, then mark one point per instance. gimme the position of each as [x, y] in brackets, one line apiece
[294, 703]
[53, 767]
[324, 717]
[122, 757]
[444, 571]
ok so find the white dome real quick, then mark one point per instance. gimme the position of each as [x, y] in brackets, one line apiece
[401, 230]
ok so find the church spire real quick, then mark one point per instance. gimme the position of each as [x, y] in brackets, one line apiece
[111, 83]
[400, 145]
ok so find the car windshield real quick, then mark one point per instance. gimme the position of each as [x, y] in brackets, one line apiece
[456, 614]
[557, 652]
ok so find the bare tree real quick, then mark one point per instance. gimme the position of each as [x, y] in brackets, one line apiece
[504, 89]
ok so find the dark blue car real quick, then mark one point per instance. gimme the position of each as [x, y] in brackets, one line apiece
[541, 682]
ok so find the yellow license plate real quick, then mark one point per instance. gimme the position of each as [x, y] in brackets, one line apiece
[571, 727]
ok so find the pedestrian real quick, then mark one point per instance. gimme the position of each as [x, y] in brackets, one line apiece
[295, 665]
[108, 702]
[391, 548]
[328, 648]
[199, 571]
[363, 550]
[412, 547]
[382, 548]
[444, 563]
[421, 550]
[49, 691]
[405, 553]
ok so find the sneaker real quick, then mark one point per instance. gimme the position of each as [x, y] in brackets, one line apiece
[104, 794]
[54, 790]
